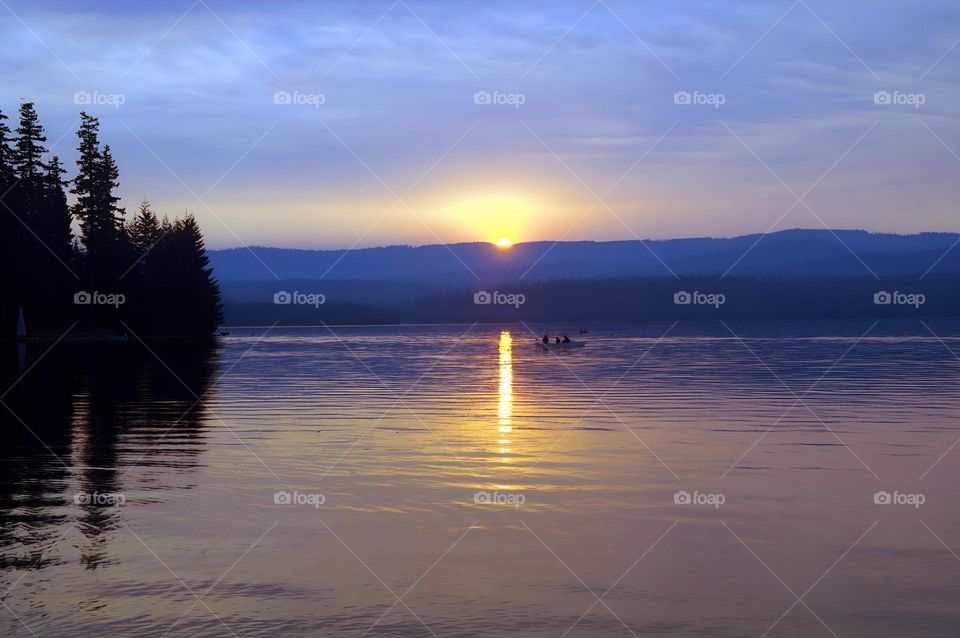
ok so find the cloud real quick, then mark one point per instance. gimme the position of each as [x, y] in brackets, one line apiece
[397, 90]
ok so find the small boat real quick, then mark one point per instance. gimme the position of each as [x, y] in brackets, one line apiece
[583, 331]
[21, 326]
[561, 345]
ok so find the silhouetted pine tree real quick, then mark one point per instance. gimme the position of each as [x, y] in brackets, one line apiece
[83, 183]
[43, 247]
[28, 147]
[145, 231]
[25, 199]
[146, 235]
[56, 218]
[160, 267]
[6, 167]
[197, 309]
[9, 301]
[108, 257]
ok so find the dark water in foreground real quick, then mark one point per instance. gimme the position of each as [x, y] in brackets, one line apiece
[458, 481]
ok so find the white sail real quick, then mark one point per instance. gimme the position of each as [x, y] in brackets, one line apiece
[21, 326]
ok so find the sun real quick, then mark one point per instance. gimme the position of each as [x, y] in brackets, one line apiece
[503, 242]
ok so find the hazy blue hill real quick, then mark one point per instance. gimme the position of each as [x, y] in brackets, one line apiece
[786, 254]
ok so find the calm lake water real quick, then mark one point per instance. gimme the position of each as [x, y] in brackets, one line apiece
[685, 480]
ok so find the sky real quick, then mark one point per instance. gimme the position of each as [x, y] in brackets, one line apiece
[352, 124]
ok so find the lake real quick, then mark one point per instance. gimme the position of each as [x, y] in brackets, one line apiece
[742, 479]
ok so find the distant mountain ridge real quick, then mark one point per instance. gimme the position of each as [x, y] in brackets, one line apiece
[788, 254]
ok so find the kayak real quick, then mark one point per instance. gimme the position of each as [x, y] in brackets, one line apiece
[561, 346]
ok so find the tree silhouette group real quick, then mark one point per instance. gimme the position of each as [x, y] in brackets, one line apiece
[147, 276]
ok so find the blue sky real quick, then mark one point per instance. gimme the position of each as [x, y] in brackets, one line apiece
[301, 123]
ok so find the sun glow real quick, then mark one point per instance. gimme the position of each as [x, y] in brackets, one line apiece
[495, 217]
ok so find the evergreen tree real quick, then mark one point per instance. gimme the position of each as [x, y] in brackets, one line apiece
[145, 231]
[110, 215]
[9, 231]
[54, 216]
[161, 267]
[42, 242]
[28, 145]
[108, 254]
[146, 236]
[84, 182]
[6, 155]
[198, 310]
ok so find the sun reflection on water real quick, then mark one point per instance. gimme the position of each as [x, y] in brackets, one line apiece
[505, 408]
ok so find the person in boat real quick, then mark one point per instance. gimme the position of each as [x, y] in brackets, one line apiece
[545, 339]
[566, 339]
